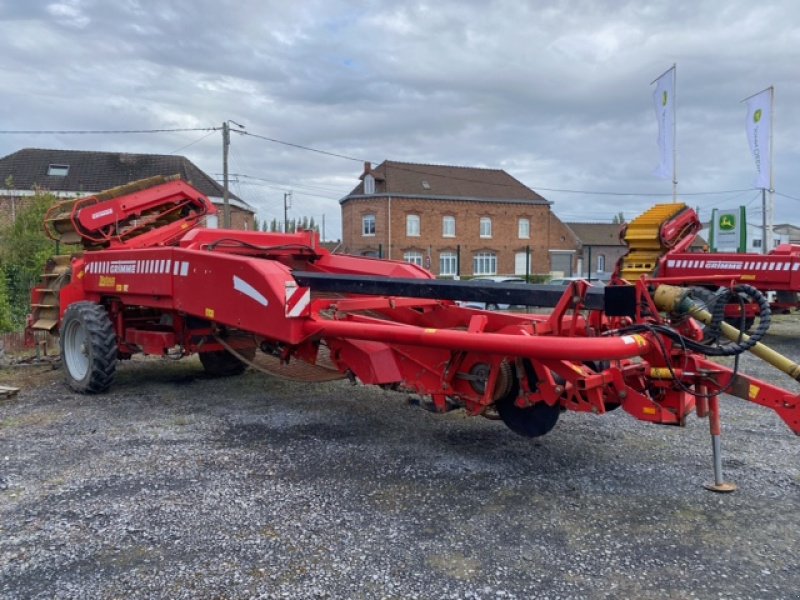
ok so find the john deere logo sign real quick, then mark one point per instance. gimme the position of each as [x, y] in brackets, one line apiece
[757, 115]
[664, 99]
[727, 222]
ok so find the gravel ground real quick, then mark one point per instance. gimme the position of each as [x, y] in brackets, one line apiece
[180, 486]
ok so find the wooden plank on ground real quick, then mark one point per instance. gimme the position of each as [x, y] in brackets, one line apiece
[7, 392]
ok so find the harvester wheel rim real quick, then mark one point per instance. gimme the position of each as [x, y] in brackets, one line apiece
[76, 356]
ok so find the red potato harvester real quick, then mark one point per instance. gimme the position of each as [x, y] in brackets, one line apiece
[151, 279]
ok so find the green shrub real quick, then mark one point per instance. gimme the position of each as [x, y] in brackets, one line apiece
[24, 249]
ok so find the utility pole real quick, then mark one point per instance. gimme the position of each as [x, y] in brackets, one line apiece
[226, 142]
[287, 202]
[226, 209]
[323, 227]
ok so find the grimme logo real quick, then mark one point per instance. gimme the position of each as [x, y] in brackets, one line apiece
[757, 115]
[664, 98]
[727, 223]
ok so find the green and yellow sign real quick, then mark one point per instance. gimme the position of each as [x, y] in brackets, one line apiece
[727, 222]
[728, 230]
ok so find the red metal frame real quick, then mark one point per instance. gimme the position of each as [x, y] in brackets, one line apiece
[169, 292]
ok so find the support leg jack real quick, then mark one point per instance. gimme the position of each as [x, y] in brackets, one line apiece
[719, 485]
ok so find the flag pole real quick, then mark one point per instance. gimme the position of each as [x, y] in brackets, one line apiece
[771, 223]
[674, 132]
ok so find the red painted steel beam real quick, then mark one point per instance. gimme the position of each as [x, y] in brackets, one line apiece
[544, 347]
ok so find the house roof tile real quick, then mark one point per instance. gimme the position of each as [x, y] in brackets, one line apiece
[597, 234]
[442, 181]
[91, 171]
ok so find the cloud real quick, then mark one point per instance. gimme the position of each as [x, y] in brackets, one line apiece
[556, 93]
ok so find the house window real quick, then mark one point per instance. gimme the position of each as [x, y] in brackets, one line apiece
[524, 229]
[448, 227]
[412, 225]
[448, 263]
[369, 184]
[601, 263]
[484, 263]
[368, 225]
[58, 170]
[756, 243]
[486, 227]
[413, 257]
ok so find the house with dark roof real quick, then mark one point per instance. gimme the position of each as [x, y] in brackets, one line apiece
[455, 221]
[601, 248]
[72, 173]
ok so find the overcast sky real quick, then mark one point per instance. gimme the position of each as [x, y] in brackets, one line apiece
[556, 93]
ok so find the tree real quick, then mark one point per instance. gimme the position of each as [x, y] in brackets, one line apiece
[6, 320]
[618, 219]
[24, 249]
[256, 224]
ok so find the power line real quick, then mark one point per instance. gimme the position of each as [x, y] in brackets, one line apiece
[102, 131]
[591, 193]
[193, 143]
[787, 196]
[284, 188]
[300, 146]
[360, 160]
[305, 185]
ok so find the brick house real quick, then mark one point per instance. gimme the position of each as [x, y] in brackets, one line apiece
[71, 173]
[455, 221]
[601, 248]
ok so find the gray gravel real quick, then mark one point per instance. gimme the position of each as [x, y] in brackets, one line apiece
[176, 485]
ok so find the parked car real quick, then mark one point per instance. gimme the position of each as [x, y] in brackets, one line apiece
[490, 279]
[565, 281]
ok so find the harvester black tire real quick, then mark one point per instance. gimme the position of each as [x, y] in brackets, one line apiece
[88, 348]
[533, 421]
[221, 363]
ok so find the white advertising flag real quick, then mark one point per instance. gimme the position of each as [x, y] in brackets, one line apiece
[759, 130]
[664, 103]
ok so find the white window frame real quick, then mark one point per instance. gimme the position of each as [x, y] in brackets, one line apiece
[413, 256]
[58, 170]
[448, 226]
[413, 226]
[365, 230]
[369, 184]
[448, 263]
[601, 263]
[524, 229]
[484, 263]
[485, 228]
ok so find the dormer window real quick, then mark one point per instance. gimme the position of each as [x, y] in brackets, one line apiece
[426, 185]
[369, 184]
[58, 170]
